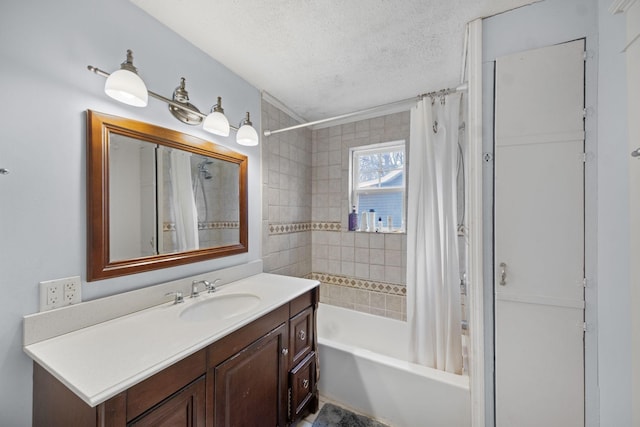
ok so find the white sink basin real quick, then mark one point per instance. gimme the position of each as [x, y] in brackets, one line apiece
[220, 307]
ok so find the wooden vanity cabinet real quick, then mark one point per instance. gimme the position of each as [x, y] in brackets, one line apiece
[263, 374]
[303, 368]
[247, 374]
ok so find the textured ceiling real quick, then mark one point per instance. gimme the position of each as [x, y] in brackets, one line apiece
[327, 57]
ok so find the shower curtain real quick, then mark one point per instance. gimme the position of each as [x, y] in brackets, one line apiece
[433, 275]
[183, 201]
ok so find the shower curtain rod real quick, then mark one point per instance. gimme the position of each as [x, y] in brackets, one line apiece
[443, 92]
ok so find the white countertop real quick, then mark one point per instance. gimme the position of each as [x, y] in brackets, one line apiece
[100, 361]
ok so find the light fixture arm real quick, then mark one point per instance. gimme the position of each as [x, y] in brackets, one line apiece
[171, 102]
[128, 63]
[245, 121]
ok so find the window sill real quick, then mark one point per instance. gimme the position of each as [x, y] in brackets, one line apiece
[379, 232]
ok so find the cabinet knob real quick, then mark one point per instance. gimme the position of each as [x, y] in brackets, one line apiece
[305, 383]
[302, 334]
[285, 351]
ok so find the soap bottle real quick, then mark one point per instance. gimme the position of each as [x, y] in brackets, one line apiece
[353, 219]
[371, 220]
[379, 229]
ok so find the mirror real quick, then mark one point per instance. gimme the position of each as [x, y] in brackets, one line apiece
[158, 198]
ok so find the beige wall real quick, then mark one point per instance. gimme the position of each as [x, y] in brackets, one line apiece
[286, 196]
[358, 270]
[305, 210]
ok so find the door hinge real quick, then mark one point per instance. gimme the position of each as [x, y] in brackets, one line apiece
[585, 327]
[584, 282]
[587, 54]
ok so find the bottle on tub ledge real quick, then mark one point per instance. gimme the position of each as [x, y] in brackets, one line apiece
[364, 225]
[371, 221]
[353, 219]
[379, 227]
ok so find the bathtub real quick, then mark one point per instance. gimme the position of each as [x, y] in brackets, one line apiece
[363, 366]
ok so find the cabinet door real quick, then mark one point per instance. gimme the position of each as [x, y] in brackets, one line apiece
[302, 380]
[185, 408]
[250, 387]
[301, 335]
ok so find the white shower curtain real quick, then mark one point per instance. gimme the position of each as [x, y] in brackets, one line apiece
[183, 201]
[433, 275]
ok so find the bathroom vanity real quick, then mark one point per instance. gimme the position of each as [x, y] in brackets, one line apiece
[245, 355]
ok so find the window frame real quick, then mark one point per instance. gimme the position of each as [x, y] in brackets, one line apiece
[354, 171]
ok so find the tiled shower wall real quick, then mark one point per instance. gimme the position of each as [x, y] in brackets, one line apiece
[286, 196]
[305, 208]
[358, 270]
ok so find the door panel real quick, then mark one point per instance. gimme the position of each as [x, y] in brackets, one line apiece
[533, 212]
[250, 386]
[539, 237]
[546, 386]
[539, 92]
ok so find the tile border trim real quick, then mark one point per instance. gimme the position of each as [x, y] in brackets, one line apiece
[209, 225]
[357, 283]
[297, 227]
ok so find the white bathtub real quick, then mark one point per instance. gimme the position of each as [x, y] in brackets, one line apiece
[363, 365]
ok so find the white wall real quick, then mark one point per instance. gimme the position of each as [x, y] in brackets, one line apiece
[45, 48]
[633, 112]
[614, 310]
[607, 351]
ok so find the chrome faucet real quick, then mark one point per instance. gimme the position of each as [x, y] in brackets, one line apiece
[178, 298]
[194, 287]
[210, 287]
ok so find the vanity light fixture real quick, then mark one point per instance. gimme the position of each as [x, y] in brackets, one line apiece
[247, 135]
[216, 122]
[125, 85]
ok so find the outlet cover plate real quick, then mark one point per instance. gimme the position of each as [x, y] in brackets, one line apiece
[60, 292]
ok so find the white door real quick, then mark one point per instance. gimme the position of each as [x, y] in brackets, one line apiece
[539, 237]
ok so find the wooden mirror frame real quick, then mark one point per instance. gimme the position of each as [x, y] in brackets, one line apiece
[99, 127]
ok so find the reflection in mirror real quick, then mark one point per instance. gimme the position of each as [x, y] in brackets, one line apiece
[158, 198]
[194, 204]
[132, 198]
[198, 200]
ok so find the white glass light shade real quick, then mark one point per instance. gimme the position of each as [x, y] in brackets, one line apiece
[247, 135]
[216, 123]
[127, 87]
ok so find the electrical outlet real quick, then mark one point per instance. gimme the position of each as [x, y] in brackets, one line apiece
[60, 292]
[71, 290]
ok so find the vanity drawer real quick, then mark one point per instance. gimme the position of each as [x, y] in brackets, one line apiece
[156, 388]
[302, 380]
[301, 338]
[300, 303]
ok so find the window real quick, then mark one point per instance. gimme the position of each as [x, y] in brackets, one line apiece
[377, 181]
